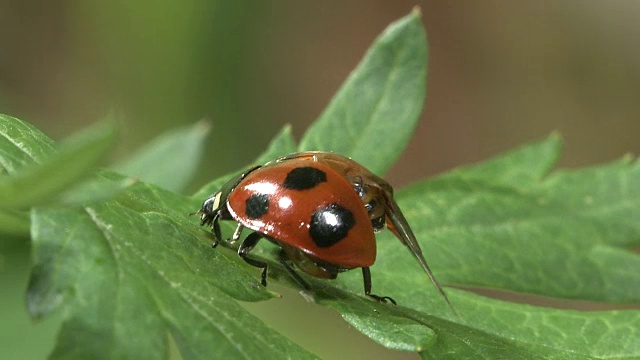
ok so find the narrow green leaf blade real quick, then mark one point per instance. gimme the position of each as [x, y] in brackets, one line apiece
[38, 182]
[21, 145]
[171, 160]
[101, 187]
[372, 116]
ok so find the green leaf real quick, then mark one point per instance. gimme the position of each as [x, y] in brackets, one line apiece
[21, 145]
[138, 268]
[142, 246]
[503, 224]
[542, 235]
[45, 174]
[102, 187]
[373, 115]
[171, 160]
[391, 331]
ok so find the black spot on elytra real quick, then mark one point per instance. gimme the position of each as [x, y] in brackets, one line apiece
[304, 178]
[330, 224]
[257, 205]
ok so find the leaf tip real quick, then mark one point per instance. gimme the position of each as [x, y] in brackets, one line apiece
[555, 135]
[628, 158]
[274, 294]
[203, 126]
[556, 140]
[416, 11]
[286, 131]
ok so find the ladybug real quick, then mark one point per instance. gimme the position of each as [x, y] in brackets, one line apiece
[320, 208]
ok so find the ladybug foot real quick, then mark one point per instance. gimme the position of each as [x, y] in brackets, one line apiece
[263, 277]
[366, 276]
[382, 299]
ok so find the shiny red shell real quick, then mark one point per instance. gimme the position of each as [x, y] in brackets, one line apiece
[345, 166]
[289, 215]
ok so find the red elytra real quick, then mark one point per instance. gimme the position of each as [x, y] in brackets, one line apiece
[289, 214]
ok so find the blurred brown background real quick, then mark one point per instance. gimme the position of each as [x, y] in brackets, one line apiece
[501, 73]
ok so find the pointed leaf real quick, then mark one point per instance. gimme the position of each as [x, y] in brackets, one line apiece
[48, 175]
[373, 115]
[171, 160]
[102, 187]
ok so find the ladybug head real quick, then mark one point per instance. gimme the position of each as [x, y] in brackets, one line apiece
[215, 205]
[210, 208]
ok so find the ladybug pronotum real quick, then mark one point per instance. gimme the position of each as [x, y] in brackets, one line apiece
[320, 208]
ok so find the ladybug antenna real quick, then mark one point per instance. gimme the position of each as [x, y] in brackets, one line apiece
[402, 230]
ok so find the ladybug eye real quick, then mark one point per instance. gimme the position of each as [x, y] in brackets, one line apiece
[207, 205]
[211, 204]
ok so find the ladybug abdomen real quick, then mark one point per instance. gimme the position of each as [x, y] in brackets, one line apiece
[308, 206]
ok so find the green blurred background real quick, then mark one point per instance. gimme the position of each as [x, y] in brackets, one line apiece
[501, 73]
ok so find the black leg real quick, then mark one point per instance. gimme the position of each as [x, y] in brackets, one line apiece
[244, 249]
[284, 260]
[215, 222]
[366, 276]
